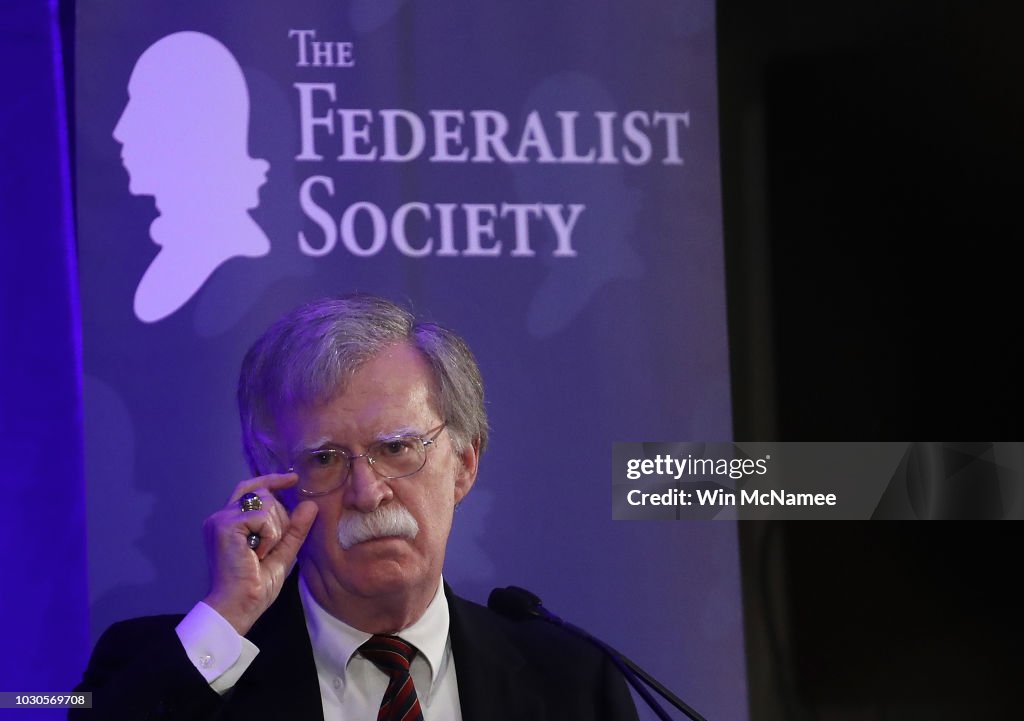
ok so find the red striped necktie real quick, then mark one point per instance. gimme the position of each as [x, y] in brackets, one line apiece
[392, 655]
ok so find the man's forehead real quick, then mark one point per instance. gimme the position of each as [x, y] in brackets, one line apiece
[392, 393]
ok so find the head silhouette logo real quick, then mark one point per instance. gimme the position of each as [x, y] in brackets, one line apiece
[184, 137]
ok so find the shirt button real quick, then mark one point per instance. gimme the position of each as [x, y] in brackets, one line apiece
[337, 682]
[206, 661]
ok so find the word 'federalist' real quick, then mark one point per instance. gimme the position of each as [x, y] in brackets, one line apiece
[400, 136]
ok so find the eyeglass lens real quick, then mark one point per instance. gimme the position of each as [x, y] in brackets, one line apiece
[327, 468]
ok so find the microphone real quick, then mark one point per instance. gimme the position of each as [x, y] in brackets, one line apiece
[518, 604]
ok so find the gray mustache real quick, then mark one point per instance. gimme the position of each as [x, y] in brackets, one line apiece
[391, 520]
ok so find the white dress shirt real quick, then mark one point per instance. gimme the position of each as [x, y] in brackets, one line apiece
[351, 687]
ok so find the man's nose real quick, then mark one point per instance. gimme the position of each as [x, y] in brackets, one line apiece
[365, 491]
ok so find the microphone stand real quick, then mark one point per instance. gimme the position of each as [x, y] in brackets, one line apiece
[523, 603]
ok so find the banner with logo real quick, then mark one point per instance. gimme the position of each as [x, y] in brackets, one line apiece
[543, 178]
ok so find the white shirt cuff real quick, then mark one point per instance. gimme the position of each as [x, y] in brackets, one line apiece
[214, 647]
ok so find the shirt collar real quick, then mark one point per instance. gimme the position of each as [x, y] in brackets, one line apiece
[334, 641]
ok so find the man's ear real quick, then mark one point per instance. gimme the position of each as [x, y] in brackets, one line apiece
[465, 474]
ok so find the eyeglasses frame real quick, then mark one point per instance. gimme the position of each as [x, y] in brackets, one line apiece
[426, 439]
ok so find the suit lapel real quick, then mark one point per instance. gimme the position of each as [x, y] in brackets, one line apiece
[492, 673]
[282, 682]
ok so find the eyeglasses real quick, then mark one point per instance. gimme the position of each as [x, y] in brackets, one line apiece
[326, 469]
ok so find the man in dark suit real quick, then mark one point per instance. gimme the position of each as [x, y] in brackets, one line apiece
[363, 429]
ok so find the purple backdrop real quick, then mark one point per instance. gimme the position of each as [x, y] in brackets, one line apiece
[542, 178]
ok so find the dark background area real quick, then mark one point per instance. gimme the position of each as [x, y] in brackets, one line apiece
[870, 154]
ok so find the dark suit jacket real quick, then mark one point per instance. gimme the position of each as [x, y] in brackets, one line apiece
[506, 670]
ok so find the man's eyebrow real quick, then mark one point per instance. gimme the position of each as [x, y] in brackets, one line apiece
[401, 432]
[306, 447]
[316, 443]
